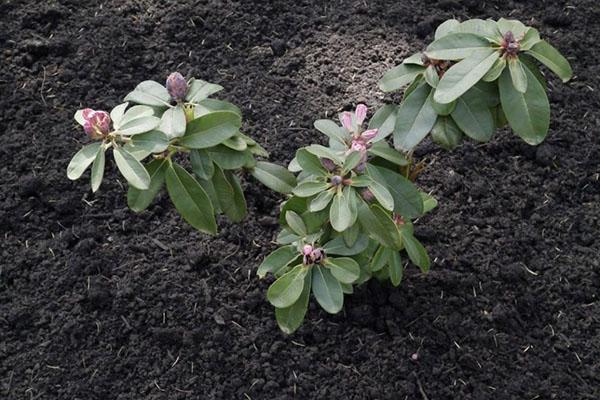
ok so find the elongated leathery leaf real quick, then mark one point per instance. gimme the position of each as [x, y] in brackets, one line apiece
[287, 289]
[190, 199]
[416, 117]
[290, 318]
[463, 75]
[327, 290]
[139, 200]
[132, 169]
[277, 261]
[528, 113]
[82, 160]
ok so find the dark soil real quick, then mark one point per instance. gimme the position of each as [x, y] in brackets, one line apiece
[99, 303]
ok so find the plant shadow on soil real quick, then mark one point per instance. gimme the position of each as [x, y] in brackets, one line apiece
[99, 303]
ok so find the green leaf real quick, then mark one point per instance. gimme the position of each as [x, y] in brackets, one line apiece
[429, 202]
[116, 114]
[416, 252]
[463, 75]
[236, 143]
[323, 152]
[531, 38]
[228, 158]
[150, 93]
[322, 200]
[200, 90]
[416, 117]
[483, 92]
[131, 169]
[190, 199]
[431, 76]
[340, 213]
[208, 106]
[290, 318]
[296, 224]
[407, 201]
[310, 163]
[485, 28]
[381, 149]
[446, 133]
[277, 261]
[516, 27]
[344, 269]
[274, 176]
[379, 225]
[395, 267]
[82, 160]
[238, 209]
[327, 290]
[416, 58]
[474, 118]
[150, 142]
[399, 76]
[551, 58]
[211, 129]
[172, 122]
[224, 194]
[139, 200]
[202, 164]
[530, 63]
[338, 246]
[384, 120]
[517, 74]
[132, 114]
[495, 71]
[446, 28]
[380, 259]
[441, 109]
[331, 129]
[528, 113]
[98, 169]
[457, 46]
[351, 161]
[350, 235]
[286, 237]
[287, 289]
[307, 189]
[383, 196]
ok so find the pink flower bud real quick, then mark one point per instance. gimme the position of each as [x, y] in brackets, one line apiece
[317, 256]
[177, 86]
[361, 113]
[96, 123]
[358, 145]
[398, 220]
[346, 119]
[307, 249]
[336, 180]
[368, 135]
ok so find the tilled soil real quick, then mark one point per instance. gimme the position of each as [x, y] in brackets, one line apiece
[97, 302]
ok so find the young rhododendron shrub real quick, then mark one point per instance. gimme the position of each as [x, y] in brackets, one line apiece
[475, 77]
[348, 220]
[147, 140]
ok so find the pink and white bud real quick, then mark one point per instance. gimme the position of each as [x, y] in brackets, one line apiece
[177, 86]
[358, 145]
[346, 119]
[361, 113]
[96, 123]
[368, 135]
[307, 249]
[317, 256]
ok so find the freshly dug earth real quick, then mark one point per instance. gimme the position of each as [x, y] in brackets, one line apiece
[99, 303]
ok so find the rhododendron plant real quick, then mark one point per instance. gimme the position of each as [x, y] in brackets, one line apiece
[178, 119]
[348, 219]
[476, 76]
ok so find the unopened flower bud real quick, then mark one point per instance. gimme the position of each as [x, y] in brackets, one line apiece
[336, 180]
[96, 123]
[367, 195]
[328, 164]
[398, 220]
[177, 86]
[307, 249]
[317, 256]
[361, 113]
[368, 135]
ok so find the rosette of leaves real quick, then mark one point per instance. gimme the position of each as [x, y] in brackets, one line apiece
[475, 77]
[178, 122]
[355, 213]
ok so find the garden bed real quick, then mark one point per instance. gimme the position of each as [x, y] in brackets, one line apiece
[97, 302]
